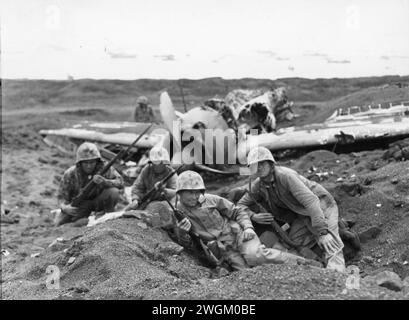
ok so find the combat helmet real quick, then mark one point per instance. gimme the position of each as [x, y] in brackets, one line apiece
[259, 154]
[87, 151]
[159, 154]
[142, 100]
[190, 180]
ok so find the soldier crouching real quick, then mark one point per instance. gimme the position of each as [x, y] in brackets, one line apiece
[102, 198]
[220, 224]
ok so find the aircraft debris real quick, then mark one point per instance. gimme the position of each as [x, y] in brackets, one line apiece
[230, 119]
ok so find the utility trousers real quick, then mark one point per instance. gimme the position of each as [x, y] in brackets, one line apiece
[105, 201]
[245, 254]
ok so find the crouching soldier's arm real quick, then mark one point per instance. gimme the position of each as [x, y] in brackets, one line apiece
[311, 202]
[247, 202]
[138, 189]
[239, 214]
[112, 179]
[169, 189]
[67, 190]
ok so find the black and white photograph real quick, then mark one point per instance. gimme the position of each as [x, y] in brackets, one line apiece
[214, 151]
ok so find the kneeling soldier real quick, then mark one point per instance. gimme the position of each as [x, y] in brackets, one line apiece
[151, 177]
[304, 205]
[104, 196]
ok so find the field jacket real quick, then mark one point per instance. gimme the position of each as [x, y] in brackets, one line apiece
[293, 195]
[141, 115]
[74, 180]
[147, 179]
[217, 219]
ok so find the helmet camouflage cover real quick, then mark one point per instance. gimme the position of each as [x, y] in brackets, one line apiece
[159, 154]
[259, 154]
[87, 151]
[190, 180]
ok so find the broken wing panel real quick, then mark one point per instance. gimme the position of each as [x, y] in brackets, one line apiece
[122, 133]
[327, 134]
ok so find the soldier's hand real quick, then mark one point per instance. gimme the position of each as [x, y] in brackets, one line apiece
[248, 234]
[184, 224]
[329, 243]
[158, 186]
[262, 218]
[68, 209]
[132, 206]
[99, 179]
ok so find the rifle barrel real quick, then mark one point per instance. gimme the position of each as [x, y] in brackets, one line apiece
[150, 193]
[124, 151]
[195, 237]
[277, 229]
[90, 185]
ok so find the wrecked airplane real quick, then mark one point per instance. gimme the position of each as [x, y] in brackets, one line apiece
[256, 110]
[217, 136]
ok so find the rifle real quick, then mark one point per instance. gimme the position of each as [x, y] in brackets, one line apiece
[276, 227]
[91, 184]
[149, 195]
[179, 215]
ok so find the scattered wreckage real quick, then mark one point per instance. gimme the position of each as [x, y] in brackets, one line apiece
[217, 136]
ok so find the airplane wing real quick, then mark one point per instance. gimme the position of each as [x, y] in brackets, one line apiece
[314, 135]
[122, 133]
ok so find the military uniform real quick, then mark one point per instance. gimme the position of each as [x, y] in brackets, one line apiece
[305, 205]
[143, 114]
[101, 198]
[217, 221]
[146, 181]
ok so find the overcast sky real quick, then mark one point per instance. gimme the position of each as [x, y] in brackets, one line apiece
[131, 39]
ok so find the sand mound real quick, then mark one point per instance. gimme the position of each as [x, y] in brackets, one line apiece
[117, 259]
[121, 260]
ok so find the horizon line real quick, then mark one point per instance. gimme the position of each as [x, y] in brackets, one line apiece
[199, 79]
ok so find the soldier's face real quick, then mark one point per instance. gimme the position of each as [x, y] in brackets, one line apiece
[261, 169]
[190, 198]
[88, 166]
[158, 167]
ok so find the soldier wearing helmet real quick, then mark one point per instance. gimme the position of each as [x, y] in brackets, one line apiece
[103, 197]
[225, 228]
[151, 176]
[304, 205]
[143, 112]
